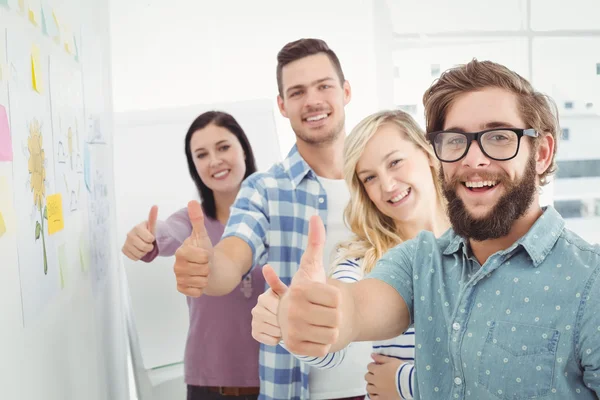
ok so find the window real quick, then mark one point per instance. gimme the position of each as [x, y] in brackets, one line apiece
[435, 70]
[568, 105]
[552, 15]
[570, 208]
[409, 108]
[589, 106]
[578, 169]
[565, 134]
[597, 68]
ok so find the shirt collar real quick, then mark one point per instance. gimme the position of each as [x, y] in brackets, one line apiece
[538, 241]
[295, 166]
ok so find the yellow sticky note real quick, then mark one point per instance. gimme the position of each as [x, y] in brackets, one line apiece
[56, 222]
[32, 17]
[36, 69]
[2, 225]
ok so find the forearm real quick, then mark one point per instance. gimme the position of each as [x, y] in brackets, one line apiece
[232, 259]
[359, 320]
[224, 276]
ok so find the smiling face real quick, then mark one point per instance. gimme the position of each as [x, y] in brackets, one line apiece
[485, 197]
[313, 99]
[396, 175]
[219, 158]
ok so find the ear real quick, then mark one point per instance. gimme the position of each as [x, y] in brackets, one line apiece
[544, 153]
[281, 106]
[347, 92]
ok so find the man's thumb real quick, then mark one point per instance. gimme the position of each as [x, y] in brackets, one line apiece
[152, 217]
[273, 280]
[197, 219]
[312, 259]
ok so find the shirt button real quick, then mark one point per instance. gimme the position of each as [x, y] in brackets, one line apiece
[458, 381]
[321, 200]
[456, 326]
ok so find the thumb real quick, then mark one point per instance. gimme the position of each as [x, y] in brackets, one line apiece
[273, 280]
[151, 224]
[312, 259]
[197, 219]
[380, 358]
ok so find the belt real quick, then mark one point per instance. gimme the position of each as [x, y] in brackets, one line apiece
[233, 391]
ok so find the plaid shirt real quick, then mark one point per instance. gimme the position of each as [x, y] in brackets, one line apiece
[271, 214]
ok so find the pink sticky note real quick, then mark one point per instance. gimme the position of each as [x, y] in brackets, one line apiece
[6, 153]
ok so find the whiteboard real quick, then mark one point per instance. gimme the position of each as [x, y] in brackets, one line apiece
[60, 311]
[151, 169]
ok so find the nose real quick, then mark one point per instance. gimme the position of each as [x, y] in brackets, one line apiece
[388, 184]
[475, 157]
[313, 98]
[215, 161]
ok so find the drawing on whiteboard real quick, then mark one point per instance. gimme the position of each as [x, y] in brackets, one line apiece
[37, 175]
[99, 222]
[73, 194]
[96, 134]
[61, 155]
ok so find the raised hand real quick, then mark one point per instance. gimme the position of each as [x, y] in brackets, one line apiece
[309, 314]
[265, 327]
[140, 240]
[193, 259]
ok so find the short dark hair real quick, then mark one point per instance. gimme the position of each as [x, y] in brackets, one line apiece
[223, 120]
[303, 48]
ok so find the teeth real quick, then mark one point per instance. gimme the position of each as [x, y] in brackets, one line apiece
[317, 117]
[400, 196]
[221, 174]
[480, 184]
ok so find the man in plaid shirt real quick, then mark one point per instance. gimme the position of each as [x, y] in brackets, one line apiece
[269, 219]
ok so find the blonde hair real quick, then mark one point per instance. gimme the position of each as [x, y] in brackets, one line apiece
[374, 232]
[537, 110]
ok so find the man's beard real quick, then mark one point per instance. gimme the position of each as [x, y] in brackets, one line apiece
[322, 139]
[498, 222]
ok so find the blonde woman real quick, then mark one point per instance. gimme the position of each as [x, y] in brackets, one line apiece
[391, 172]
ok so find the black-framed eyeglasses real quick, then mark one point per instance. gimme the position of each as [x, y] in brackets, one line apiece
[500, 144]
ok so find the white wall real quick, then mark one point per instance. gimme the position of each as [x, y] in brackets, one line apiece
[76, 348]
[185, 52]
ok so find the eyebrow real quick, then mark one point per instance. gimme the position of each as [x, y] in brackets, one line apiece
[216, 144]
[383, 158]
[314, 83]
[487, 125]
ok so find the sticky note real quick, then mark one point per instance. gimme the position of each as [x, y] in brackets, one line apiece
[2, 225]
[62, 264]
[6, 153]
[31, 15]
[56, 36]
[56, 222]
[44, 23]
[76, 49]
[36, 69]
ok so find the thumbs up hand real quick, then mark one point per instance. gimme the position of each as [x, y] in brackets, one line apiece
[309, 312]
[193, 259]
[140, 240]
[265, 327]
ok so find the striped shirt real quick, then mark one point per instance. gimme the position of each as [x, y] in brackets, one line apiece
[401, 347]
[271, 213]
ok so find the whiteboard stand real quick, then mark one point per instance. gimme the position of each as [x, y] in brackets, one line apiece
[160, 383]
